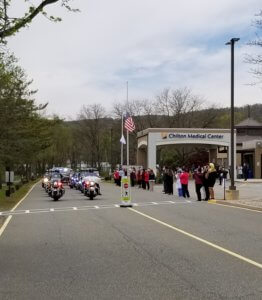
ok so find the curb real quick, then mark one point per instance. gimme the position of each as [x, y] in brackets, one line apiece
[223, 202]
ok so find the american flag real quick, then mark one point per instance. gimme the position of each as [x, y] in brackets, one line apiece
[129, 123]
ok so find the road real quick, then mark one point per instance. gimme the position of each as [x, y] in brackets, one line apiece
[169, 249]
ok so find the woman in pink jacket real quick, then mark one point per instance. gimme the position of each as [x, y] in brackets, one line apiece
[184, 182]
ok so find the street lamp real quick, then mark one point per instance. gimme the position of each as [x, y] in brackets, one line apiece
[232, 43]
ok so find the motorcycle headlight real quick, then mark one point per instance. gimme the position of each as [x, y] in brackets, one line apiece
[45, 180]
[92, 183]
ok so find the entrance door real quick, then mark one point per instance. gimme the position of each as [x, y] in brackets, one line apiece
[249, 160]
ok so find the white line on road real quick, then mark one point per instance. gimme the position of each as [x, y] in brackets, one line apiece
[250, 261]
[10, 217]
[89, 207]
[233, 206]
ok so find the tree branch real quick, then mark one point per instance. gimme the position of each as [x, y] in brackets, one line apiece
[5, 32]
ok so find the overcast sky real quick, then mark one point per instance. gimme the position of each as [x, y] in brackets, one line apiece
[152, 44]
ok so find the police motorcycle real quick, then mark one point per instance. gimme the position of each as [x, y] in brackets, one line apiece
[73, 181]
[45, 181]
[57, 190]
[91, 187]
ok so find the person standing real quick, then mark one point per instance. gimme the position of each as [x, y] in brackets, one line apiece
[133, 177]
[184, 182]
[211, 175]
[147, 179]
[139, 178]
[143, 179]
[245, 171]
[165, 180]
[205, 182]
[170, 181]
[198, 177]
[220, 175]
[117, 178]
[152, 179]
[178, 183]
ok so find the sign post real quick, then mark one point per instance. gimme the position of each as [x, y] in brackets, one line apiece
[9, 179]
[125, 192]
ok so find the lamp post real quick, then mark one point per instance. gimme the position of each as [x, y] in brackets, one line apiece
[232, 175]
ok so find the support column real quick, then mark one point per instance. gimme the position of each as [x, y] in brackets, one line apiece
[142, 157]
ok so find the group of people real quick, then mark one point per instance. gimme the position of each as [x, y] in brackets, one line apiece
[181, 176]
[204, 177]
[143, 178]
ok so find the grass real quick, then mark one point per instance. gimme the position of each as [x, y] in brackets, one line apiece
[7, 203]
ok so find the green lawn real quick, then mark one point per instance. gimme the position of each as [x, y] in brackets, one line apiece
[7, 203]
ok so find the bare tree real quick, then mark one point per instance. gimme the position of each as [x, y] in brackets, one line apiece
[178, 106]
[92, 128]
[256, 59]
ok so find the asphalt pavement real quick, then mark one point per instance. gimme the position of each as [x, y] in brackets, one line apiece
[165, 247]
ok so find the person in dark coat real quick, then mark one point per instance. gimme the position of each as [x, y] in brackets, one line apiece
[133, 177]
[212, 175]
[205, 182]
[170, 181]
[245, 171]
[143, 179]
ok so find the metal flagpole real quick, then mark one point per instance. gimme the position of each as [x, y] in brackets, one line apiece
[127, 151]
[127, 136]
[125, 186]
[122, 145]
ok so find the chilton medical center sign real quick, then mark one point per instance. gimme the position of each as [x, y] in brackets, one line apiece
[200, 136]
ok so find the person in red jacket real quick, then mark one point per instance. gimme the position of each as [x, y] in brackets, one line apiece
[139, 177]
[147, 179]
[117, 177]
[184, 182]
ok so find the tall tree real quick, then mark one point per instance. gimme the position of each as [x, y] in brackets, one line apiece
[9, 25]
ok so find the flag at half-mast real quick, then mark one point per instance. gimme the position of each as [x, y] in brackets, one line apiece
[129, 123]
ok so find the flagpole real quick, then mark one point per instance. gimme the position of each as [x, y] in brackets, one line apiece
[127, 153]
[127, 135]
[122, 145]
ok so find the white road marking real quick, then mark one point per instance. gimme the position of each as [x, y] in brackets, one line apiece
[188, 201]
[232, 206]
[86, 207]
[243, 258]
[10, 217]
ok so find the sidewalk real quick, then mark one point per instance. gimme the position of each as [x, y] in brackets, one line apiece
[250, 193]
